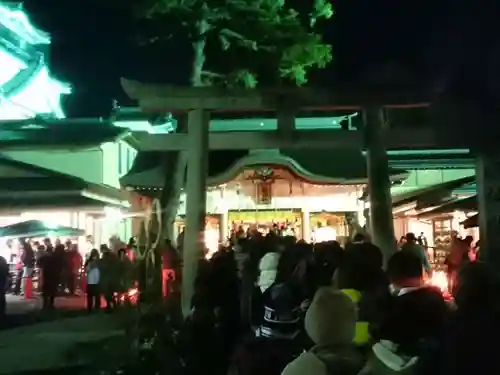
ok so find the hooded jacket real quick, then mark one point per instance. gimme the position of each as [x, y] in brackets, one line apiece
[268, 267]
[386, 360]
[330, 323]
[416, 318]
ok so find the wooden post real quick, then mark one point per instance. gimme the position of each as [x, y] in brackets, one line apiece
[488, 194]
[198, 123]
[379, 186]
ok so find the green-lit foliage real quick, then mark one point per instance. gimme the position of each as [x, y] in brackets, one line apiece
[241, 41]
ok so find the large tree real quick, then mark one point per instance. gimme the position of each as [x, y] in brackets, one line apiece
[232, 42]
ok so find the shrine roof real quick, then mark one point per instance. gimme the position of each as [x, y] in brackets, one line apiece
[23, 185]
[50, 133]
[319, 166]
[15, 18]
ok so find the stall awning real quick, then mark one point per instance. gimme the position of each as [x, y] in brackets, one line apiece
[462, 204]
[431, 195]
[471, 222]
[25, 186]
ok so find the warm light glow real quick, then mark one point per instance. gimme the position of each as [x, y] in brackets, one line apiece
[439, 280]
[211, 242]
[112, 214]
[324, 234]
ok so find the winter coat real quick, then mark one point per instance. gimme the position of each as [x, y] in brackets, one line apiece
[110, 273]
[330, 322]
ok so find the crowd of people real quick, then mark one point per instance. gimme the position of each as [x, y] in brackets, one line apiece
[286, 307]
[60, 269]
[269, 305]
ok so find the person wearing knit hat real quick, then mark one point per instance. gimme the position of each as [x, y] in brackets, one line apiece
[330, 322]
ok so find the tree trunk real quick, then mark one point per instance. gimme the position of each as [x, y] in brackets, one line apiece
[176, 163]
[175, 166]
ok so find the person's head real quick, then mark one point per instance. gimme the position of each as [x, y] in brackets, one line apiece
[331, 318]
[358, 272]
[410, 237]
[282, 309]
[409, 320]
[366, 254]
[94, 254]
[404, 269]
[359, 237]
[268, 270]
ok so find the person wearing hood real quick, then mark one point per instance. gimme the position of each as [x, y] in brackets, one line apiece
[267, 272]
[268, 269]
[412, 323]
[330, 323]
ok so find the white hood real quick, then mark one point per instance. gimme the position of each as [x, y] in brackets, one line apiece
[386, 353]
[268, 267]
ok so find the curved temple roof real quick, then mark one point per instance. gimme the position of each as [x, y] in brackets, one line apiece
[27, 84]
[320, 167]
[16, 19]
[23, 78]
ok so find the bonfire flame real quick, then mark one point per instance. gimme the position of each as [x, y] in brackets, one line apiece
[439, 280]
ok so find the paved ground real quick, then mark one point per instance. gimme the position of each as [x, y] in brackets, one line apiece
[45, 337]
[19, 305]
[21, 311]
[46, 345]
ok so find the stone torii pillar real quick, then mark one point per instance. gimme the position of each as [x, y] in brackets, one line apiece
[381, 222]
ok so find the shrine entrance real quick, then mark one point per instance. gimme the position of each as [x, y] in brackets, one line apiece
[264, 221]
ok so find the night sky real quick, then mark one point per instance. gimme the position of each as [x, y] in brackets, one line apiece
[419, 40]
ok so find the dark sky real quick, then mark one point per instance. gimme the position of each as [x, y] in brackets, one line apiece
[90, 48]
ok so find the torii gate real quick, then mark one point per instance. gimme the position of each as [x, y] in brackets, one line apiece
[375, 138]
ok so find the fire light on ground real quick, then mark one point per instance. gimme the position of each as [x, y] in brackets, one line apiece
[131, 295]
